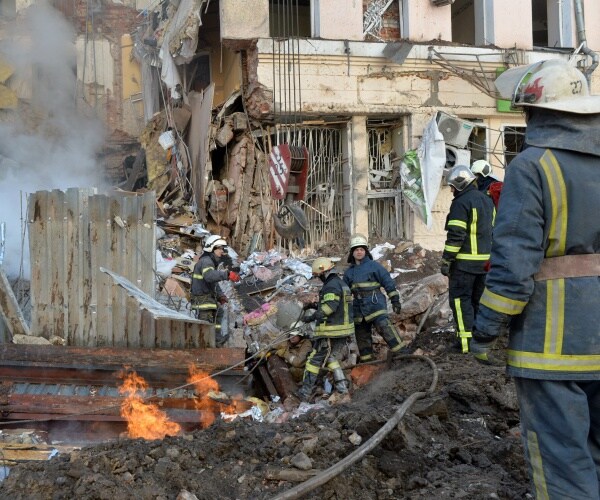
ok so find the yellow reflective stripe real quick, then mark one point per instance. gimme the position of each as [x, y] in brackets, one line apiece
[366, 284]
[393, 294]
[330, 296]
[468, 256]
[208, 269]
[451, 248]
[474, 232]
[326, 309]
[197, 276]
[494, 217]
[337, 329]
[205, 306]
[310, 368]
[333, 365]
[459, 316]
[554, 362]
[537, 467]
[366, 357]
[457, 223]
[374, 315]
[555, 316]
[557, 235]
[502, 304]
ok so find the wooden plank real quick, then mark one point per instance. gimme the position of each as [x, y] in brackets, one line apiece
[10, 310]
[148, 333]
[148, 243]
[88, 309]
[25, 454]
[163, 333]
[104, 315]
[90, 337]
[38, 251]
[134, 266]
[177, 335]
[56, 264]
[118, 239]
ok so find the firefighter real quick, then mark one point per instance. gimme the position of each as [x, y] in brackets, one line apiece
[294, 352]
[544, 284]
[205, 292]
[467, 249]
[365, 277]
[486, 182]
[334, 327]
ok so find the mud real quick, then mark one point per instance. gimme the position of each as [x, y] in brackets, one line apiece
[460, 442]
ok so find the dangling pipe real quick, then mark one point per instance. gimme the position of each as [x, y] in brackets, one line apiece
[581, 39]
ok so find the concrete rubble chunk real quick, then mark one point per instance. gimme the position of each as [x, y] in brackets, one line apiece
[301, 461]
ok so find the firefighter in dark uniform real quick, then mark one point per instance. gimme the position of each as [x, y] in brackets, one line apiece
[366, 278]
[205, 292]
[544, 281]
[334, 328]
[467, 249]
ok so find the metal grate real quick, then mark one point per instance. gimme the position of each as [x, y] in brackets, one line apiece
[324, 191]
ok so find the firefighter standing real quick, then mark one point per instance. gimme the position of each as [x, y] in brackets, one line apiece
[365, 277]
[467, 249]
[205, 292]
[544, 279]
[334, 327]
[486, 182]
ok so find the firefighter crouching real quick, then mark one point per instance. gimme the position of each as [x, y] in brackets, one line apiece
[205, 292]
[365, 277]
[334, 327]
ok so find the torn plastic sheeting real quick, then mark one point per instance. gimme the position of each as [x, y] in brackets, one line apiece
[164, 267]
[298, 267]
[146, 302]
[380, 250]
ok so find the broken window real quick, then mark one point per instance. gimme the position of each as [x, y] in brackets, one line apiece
[196, 74]
[290, 18]
[539, 21]
[463, 22]
[477, 144]
[8, 8]
[381, 20]
[513, 139]
[386, 145]
[323, 204]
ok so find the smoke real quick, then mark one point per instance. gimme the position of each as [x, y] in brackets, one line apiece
[48, 143]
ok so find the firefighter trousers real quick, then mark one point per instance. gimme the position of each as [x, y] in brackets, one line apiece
[464, 291]
[364, 336]
[560, 430]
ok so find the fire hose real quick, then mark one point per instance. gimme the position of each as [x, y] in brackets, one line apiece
[328, 474]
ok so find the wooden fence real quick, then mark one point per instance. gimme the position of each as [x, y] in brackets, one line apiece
[72, 235]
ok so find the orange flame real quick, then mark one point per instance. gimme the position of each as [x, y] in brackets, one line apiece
[203, 384]
[144, 420]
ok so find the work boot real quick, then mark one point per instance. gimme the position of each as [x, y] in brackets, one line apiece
[341, 384]
[308, 383]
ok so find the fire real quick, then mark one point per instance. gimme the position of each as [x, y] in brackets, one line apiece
[209, 401]
[144, 420]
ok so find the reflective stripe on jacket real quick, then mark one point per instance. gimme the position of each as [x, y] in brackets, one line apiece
[366, 280]
[335, 307]
[469, 226]
[549, 206]
[206, 276]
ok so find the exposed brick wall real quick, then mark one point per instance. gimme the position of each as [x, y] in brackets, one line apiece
[390, 30]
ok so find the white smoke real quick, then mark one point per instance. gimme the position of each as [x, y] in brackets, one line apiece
[55, 146]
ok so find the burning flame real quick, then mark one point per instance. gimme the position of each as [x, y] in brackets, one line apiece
[144, 420]
[209, 401]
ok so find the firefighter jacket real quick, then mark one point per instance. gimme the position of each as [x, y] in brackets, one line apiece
[334, 315]
[469, 226]
[366, 280]
[548, 209]
[206, 276]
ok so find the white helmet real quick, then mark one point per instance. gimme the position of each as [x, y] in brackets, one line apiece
[460, 177]
[321, 265]
[481, 167]
[551, 84]
[358, 240]
[214, 241]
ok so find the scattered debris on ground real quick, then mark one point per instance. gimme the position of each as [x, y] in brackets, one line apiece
[462, 441]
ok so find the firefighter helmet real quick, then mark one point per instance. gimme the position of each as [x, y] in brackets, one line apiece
[460, 177]
[214, 241]
[481, 167]
[321, 265]
[551, 84]
[358, 240]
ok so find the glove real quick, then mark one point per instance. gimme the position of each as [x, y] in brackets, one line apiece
[223, 300]
[281, 352]
[308, 317]
[310, 305]
[233, 276]
[483, 352]
[445, 267]
[396, 307]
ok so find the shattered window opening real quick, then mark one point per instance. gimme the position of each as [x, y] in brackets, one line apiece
[463, 22]
[323, 204]
[384, 195]
[513, 139]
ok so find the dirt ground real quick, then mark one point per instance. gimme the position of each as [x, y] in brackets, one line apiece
[462, 441]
